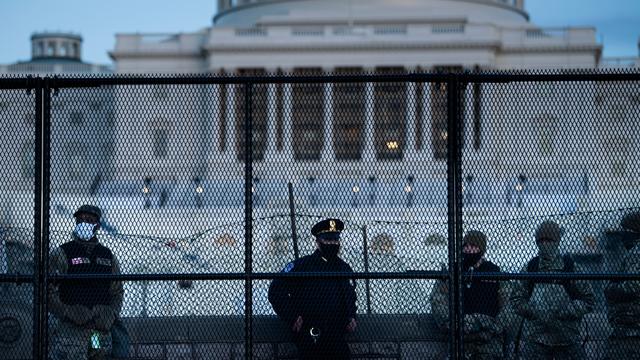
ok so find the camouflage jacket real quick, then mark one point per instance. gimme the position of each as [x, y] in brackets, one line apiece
[552, 311]
[623, 298]
[478, 328]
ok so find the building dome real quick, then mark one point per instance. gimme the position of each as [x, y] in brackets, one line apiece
[249, 13]
[59, 46]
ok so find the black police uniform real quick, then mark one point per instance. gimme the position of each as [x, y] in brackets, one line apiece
[325, 305]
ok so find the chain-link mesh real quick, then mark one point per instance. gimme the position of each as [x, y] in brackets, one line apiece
[17, 141]
[198, 254]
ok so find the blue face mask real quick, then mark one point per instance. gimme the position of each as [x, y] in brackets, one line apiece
[85, 231]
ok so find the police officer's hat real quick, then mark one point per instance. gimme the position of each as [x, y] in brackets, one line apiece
[328, 229]
[88, 209]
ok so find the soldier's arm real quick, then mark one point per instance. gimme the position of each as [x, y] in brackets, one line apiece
[439, 300]
[519, 298]
[57, 265]
[505, 316]
[583, 303]
[628, 289]
[116, 290]
[281, 298]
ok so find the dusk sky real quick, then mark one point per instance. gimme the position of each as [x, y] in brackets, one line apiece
[617, 21]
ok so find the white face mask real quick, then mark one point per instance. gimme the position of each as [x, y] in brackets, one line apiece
[84, 231]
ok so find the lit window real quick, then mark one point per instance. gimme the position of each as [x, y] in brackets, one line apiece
[392, 145]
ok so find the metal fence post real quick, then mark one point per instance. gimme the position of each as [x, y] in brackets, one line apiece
[248, 221]
[42, 191]
[454, 207]
[37, 225]
[292, 214]
[367, 282]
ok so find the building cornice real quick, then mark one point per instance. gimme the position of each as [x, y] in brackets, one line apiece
[596, 48]
[491, 45]
[166, 54]
[377, 45]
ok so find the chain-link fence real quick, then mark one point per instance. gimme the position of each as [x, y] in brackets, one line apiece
[481, 215]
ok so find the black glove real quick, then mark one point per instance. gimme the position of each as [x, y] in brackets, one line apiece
[78, 314]
[471, 325]
[103, 317]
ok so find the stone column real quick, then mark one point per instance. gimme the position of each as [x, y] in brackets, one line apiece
[410, 123]
[427, 122]
[369, 151]
[270, 151]
[467, 119]
[287, 131]
[212, 93]
[328, 154]
[230, 124]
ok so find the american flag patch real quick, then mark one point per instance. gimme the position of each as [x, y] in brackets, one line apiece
[80, 260]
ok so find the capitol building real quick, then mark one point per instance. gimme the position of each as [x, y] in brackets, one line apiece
[373, 144]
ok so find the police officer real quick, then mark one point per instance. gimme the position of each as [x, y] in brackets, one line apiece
[553, 309]
[484, 302]
[319, 311]
[83, 311]
[623, 297]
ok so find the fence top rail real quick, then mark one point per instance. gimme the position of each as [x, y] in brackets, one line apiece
[65, 81]
[252, 276]
[407, 275]
[19, 82]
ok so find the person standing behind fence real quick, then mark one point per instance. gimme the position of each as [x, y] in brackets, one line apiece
[484, 303]
[319, 311]
[623, 297]
[83, 311]
[551, 309]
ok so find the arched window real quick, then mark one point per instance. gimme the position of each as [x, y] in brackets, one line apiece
[51, 48]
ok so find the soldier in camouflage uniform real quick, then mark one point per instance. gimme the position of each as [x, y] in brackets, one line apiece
[552, 310]
[83, 311]
[623, 297]
[484, 303]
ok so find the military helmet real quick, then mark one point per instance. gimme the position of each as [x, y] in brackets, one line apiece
[549, 230]
[631, 222]
[88, 209]
[476, 238]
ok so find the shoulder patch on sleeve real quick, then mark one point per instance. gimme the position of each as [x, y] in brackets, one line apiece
[288, 268]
